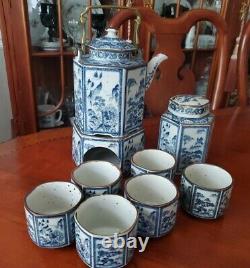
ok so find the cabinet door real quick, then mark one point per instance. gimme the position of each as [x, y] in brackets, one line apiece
[16, 48]
[200, 43]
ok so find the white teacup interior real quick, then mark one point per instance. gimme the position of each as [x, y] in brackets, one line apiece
[106, 215]
[154, 160]
[208, 176]
[53, 198]
[96, 173]
[151, 189]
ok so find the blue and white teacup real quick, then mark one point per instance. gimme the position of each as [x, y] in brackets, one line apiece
[205, 190]
[97, 178]
[49, 211]
[104, 224]
[156, 199]
[153, 161]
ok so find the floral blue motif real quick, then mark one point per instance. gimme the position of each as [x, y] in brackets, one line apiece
[76, 148]
[135, 98]
[109, 56]
[51, 231]
[30, 225]
[193, 146]
[71, 224]
[108, 257]
[185, 193]
[131, 146]
[224, 201]
[135, 170]
[107, 60]
[205, 205]
[148, 220]
[124, 147]
[83, 245]
[202, 203]
[105, 104]
[168, 218]
[103, 101]
[185, 138]
[168, 137]
[78, 92]
[107, 43]
[89, 192]
[189, 110]
[189, 106]
[130, 251]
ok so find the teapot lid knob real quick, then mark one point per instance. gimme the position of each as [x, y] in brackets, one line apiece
[111, 33]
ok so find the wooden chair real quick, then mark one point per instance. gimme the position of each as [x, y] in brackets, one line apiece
[243, 65]
[173, 77]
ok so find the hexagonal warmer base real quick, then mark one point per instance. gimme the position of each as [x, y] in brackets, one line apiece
[124, 147]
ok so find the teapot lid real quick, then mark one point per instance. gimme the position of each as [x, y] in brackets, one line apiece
[111, 42]
[189, 106]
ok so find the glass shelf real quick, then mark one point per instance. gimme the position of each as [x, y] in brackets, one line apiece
[199, 43]
[69, 53]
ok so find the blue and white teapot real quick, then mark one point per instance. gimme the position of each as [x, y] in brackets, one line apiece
[110, 83]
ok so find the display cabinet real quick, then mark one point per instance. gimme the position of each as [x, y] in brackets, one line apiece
[199, 44]
[40, 37]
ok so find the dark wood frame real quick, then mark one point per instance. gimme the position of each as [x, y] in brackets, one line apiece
[18, 65]
[242, 71]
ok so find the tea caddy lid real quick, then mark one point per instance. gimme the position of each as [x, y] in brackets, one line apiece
[189, 106]
[111, 42]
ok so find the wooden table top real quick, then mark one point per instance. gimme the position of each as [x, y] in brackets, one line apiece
[28, 161]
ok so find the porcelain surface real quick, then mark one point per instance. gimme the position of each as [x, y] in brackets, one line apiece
[97, 178]
[205, 190]
[124, 147]
[154, 162]
[104, 216]
[113, 106]
[109, 86]
[51, 120]
[49, 211]
[189, 106]
[156, 199]
[187, 139]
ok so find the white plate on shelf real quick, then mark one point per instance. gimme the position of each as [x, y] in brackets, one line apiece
[53, 46]
[72, 10]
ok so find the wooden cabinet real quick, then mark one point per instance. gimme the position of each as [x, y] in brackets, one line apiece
[199, 44]
[36, 75]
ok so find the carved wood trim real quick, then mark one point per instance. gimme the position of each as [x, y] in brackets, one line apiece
[169, 34]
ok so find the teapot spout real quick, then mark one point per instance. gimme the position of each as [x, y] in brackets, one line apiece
[152, 67]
